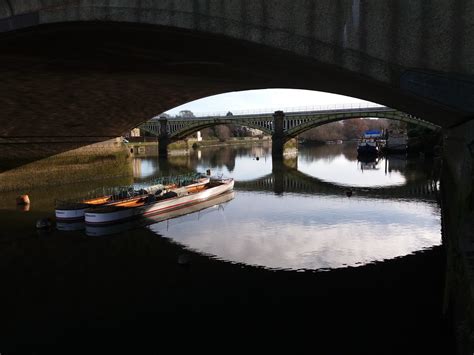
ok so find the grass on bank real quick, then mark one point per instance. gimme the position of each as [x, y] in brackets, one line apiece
[67, 168]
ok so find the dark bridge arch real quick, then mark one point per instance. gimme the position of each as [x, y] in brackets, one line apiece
[79, 72]
[187, 131]
[75, 72]
[352, 38]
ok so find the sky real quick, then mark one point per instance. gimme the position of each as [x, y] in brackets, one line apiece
[272, 99]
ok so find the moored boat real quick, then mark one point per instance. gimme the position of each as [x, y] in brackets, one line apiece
[75, 211]
[166, 201]
[210, 205]
[371, 143]
[367, 147]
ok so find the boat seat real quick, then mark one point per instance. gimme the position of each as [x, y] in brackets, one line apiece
[166, 195]
[150, 198]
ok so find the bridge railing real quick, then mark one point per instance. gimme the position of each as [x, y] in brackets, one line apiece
[263, 111]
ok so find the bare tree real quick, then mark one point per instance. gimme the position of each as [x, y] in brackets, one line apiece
[186, 114]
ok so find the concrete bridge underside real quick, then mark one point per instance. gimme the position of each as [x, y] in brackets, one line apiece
[75, 72]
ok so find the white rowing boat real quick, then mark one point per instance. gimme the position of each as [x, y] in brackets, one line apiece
[153, 205]
[75, 211]
[210, 205]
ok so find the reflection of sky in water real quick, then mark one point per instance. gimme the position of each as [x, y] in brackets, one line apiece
[342, 171]
[308, 232]
[246, 167]
[298, 231]
[144, 167]
[251, 163]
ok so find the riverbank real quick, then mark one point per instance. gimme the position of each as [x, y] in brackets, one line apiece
[184, 147]
[96, 162]
[100, 163]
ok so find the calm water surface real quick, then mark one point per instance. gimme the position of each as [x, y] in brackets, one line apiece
[312, 223]
[249, 260]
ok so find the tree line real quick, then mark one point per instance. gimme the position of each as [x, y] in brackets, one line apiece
[350, 129]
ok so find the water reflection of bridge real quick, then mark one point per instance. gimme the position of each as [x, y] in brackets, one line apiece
[293, 181]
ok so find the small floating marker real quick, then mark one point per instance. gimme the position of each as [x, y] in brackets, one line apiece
[23, 200]
[208, 172]
[44, 223]
[349, 193]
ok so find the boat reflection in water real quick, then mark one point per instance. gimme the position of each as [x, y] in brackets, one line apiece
[368, 162]
[211, 204]
[70, 226]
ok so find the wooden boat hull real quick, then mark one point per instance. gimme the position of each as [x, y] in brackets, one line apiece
[70, 214]
[76, 212]
[117, 214]
[98, 230]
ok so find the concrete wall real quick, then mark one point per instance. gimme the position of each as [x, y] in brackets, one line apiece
[379, 39]
[458, 232]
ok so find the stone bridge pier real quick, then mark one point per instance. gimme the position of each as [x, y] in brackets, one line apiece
[278, 136]
[458, 232]
[163, 138]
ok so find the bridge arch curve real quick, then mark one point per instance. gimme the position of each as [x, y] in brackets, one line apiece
[281, 126]
[75, 64]
[298, 127]
[193, 128]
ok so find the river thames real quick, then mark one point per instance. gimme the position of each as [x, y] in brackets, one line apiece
[352, 248]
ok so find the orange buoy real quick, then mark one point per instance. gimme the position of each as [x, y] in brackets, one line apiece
[23, 208]
[23, 200]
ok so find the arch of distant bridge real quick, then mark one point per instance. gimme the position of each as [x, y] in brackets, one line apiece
[290, 124]
[266, 126]
[296, 126]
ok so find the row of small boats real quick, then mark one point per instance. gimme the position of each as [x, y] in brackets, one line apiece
[150, 201]
[181, 215]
